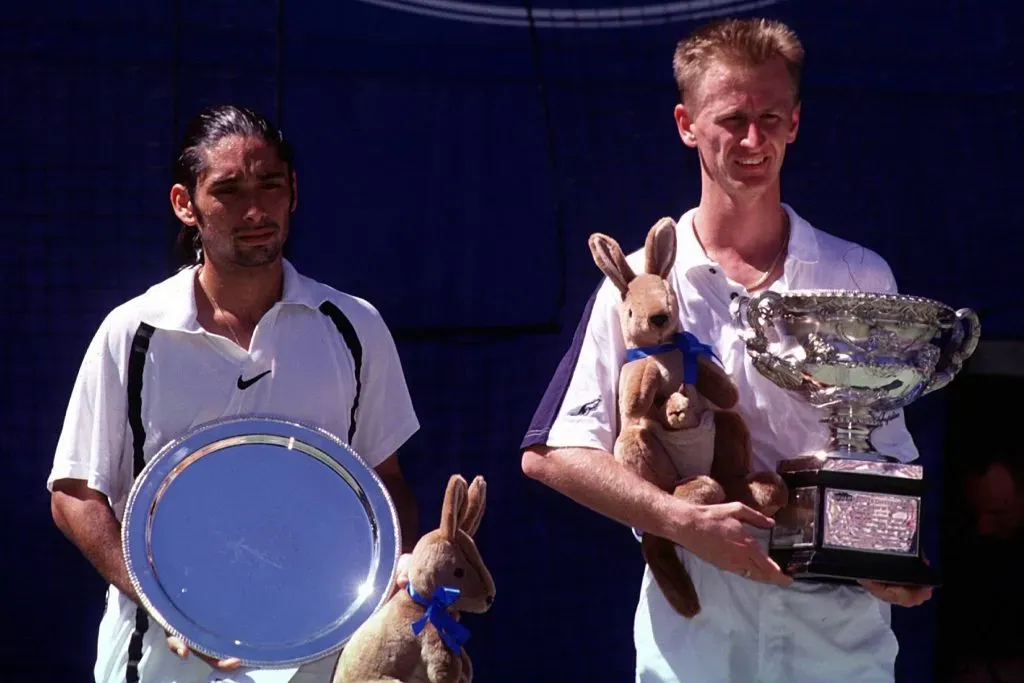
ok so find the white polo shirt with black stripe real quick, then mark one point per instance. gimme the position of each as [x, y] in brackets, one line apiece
[152, 373]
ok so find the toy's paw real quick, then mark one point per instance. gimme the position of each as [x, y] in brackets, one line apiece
[769, 492]
[679, 413]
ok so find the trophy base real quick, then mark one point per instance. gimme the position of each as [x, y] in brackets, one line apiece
[851, 518]
[828, 565]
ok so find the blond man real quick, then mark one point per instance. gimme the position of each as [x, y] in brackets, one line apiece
[739, 109]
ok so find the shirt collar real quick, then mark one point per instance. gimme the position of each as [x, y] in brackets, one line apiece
[172, 303]
[803, 243]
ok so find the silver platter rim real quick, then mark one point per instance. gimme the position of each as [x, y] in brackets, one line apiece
[131, 514]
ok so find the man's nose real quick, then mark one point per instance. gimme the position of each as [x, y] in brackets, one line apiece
[753, 138]
[255, 213]
[255, 209]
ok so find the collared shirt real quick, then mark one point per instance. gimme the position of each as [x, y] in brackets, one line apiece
[318, 356]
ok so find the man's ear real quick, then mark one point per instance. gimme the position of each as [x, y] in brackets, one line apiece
[794, 124]
[295, 192]
[181, 203]
[685, 125]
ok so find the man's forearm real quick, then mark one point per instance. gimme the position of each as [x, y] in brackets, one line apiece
[90, 525]
[596, 480]
[408, 510]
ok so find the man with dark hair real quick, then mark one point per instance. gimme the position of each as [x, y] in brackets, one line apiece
[236, 331]
[739, 86]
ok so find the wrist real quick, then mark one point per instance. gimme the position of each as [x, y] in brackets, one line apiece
[681, 519]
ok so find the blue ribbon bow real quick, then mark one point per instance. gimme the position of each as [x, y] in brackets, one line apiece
[686, 342]
[452, 632]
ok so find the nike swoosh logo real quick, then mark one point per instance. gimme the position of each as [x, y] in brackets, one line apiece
[246, 383]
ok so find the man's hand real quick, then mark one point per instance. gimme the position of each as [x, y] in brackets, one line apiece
[716, 535]
[401, 574]
[181, 649]
[904, 596]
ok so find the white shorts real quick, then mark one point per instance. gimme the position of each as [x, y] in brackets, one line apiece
[749, 632]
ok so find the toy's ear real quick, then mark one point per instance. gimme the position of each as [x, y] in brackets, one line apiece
[660, 249]
[454, 506]
[610, 259]
[715, 384]
[475, 506]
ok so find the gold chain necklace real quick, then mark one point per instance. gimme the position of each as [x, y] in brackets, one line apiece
[775, 262]
[761, 280]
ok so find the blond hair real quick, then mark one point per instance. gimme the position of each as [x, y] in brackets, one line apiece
[750, 42]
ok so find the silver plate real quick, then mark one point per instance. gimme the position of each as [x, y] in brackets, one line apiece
[260, 538]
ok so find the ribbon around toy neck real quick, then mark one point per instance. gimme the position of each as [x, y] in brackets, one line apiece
[452, 632]
[687, 343]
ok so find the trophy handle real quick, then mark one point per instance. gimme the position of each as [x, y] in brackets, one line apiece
[961, 346]
[761, 308]
[757, 313]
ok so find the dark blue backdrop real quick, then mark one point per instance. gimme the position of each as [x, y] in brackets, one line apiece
[450, 172]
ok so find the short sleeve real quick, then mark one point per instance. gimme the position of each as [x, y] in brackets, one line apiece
[579, 406]
[91, 442]
[385, 418]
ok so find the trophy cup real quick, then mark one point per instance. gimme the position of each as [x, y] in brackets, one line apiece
[859, 357]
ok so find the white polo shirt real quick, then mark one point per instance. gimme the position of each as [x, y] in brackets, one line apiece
[310, 355]
[746, 631]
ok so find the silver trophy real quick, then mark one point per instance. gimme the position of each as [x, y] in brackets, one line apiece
[859, 357]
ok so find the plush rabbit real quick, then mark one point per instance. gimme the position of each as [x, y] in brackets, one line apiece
[671, 394]
[416, 636]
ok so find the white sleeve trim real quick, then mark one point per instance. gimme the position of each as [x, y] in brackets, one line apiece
[68, 468]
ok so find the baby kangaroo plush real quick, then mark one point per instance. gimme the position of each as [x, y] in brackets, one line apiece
[676, 422]
[416, 636]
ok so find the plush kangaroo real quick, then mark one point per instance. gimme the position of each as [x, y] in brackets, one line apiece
[416, 636]
[668, 386]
